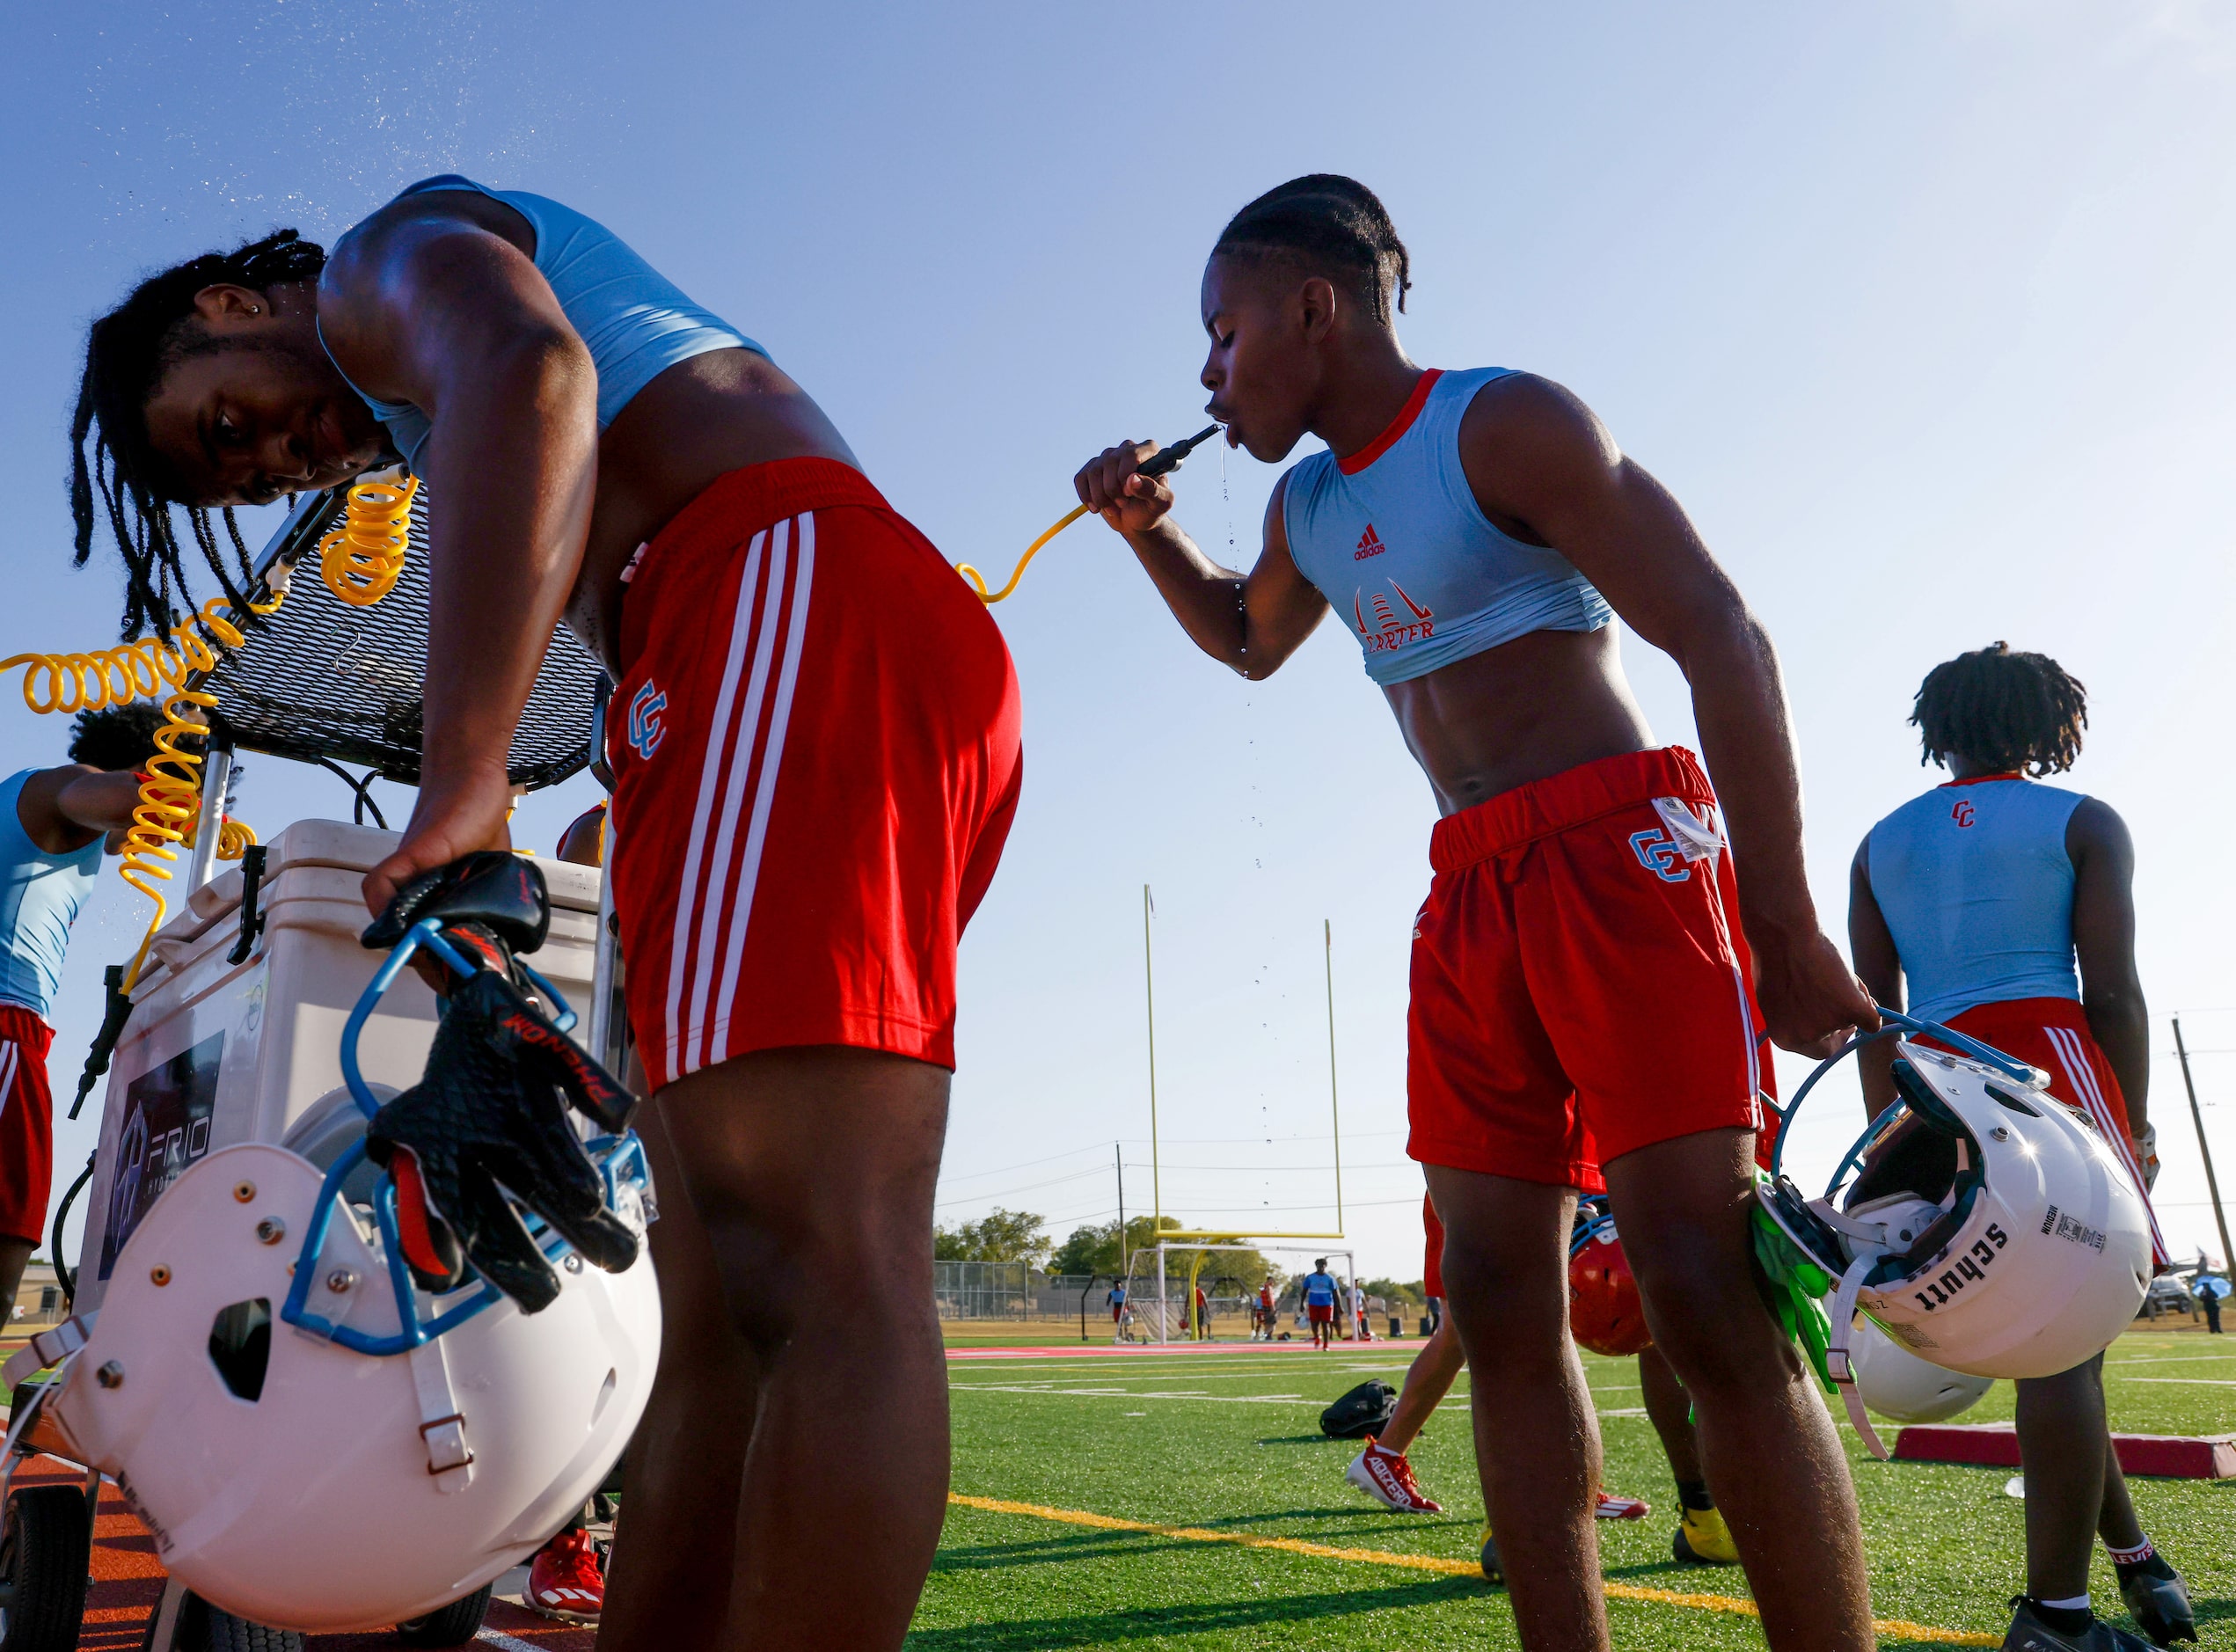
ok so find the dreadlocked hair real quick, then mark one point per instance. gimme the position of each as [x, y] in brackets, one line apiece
[127, 352]
[2012, 711]
[1331, 225]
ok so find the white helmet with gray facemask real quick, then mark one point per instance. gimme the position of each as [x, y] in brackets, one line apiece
[1987, 1228]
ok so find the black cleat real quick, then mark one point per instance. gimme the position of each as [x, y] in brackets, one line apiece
[1494, 1569]
[2160, 1605]
[2029, 1634]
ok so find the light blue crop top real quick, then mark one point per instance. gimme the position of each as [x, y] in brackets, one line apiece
[1393, 538]
[635, 321]
[40, 897]
[1977, 891]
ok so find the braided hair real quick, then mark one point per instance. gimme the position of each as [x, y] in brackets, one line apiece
[2012, 711]
[1331, 225]
[128, 354]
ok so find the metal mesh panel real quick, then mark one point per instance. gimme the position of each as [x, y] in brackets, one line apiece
[322, 679]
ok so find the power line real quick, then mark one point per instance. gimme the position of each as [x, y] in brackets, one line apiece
[1000, 1170]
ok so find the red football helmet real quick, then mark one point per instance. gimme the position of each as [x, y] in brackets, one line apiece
[1604, 1313]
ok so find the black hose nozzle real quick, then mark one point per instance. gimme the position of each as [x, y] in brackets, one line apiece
[1164, 461]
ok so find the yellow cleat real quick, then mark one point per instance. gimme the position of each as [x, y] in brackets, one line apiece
[1494, 1570]
[1703, 1540]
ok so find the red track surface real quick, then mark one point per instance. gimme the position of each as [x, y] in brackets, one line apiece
[127, 1582]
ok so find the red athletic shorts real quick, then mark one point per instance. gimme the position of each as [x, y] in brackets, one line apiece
[814, 747]
[26, 1125]
[1320, 1313]
[1580, 984]
[1432, 1261]
[2052, 1033]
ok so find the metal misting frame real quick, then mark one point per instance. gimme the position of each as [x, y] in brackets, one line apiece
[1228, 1239]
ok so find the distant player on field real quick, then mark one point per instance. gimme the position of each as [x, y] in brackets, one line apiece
[1263, 1321]
[1116, 1298]
[1319, 1293]
[2008, 908]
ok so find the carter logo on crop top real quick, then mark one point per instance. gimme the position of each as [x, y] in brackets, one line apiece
[1390, 626]
[1393, 538]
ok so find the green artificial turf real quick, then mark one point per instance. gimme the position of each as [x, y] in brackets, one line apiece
[1218, 1442]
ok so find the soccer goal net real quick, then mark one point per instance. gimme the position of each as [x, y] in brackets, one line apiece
[1234, 1276]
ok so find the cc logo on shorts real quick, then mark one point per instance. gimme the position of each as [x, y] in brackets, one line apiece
[1660, 856]
[646, 730]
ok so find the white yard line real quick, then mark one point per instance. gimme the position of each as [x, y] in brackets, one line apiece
[2188, 1382]
[1458, 1401]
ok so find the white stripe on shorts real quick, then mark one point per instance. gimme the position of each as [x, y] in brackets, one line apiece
[2081, 1073]
[687, 902]
[749, 873]
[737, 770]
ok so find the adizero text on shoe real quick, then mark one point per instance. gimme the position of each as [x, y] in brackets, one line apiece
[564, 1581]
[1387, 1478]
[1622, 1508]
[2029, 1633]
[2160, 1605]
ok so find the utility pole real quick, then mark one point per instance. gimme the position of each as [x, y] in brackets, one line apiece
[1334, 1106]
[1117, 1153]
[1149, 980]
[2204, 1152]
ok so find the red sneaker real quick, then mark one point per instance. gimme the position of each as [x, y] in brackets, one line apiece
[564, 1581]
[1386, 1477]
[1622, 1508]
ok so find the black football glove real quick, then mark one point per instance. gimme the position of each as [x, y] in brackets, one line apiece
[492, 904]
[486, 1126]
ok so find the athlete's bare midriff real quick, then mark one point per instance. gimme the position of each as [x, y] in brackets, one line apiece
[697, 421]
[1520, 711]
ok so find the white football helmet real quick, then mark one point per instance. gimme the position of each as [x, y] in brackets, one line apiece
[1988, 1229]
[295, 1481]
[1895, 1383]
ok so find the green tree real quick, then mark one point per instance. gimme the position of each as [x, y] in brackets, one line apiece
[1095, 1250]
[1004, 1236]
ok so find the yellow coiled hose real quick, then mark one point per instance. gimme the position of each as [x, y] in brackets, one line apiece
[170, 794]
[361, 559]
[360, 562]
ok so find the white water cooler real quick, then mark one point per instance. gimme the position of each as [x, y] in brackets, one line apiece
[217, 1052]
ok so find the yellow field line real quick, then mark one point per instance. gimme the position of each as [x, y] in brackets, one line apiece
[1430, 1563]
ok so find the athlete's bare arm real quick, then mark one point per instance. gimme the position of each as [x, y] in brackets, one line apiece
[1252, 621]
[62, 810]
[2111, 993]
[1540, 463]
[1878, 965]
[422, 304]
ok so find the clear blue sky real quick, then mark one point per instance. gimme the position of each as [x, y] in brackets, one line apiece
[1921, 308]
